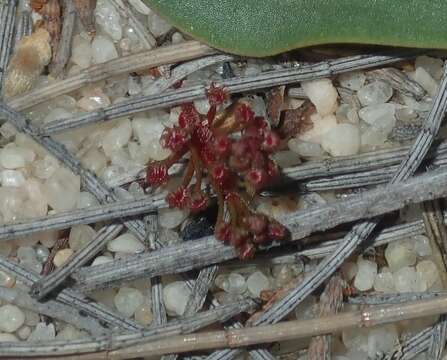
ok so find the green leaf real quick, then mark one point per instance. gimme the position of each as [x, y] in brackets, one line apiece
[267, 27]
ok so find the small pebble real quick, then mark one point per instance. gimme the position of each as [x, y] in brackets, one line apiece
[62, 256]
[426, 81]
[257, 282]
[428, 271]
[157, 25]
[12, 178]
[399, 254]
[322, 94]
[80, 236]
[431, 65]
[342, 140]
[7, 280]
[69, 332]
[126, 243]
[375, 93]
[235, 284]
[127, 300]
[382, 339]
[175, 297]
[108, 18]
[352, 80]
[305, 149]
[103, 50]
[24, 332]
[407, 280]
[422, 245]
[42, 332]
[8, 338]
[62, 190]
[384, 282]
[171, 218]
[101, 260]
[143, 314]
[367, 271]
[11, 318]
[380, 117]
[42, 253]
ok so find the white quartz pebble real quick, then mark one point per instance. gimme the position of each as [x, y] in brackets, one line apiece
[62, 190]
[157, 25]
[322, 94]
[13, 178]
[407, 280]
[382, 339]
[175, 297]
[353, 80]
[384, 282]
[127, 300]
[321, 125]
[399, 254]
[235, 284]
[86, 199]
[432, 65]
[377, 92]
[428, 271]
[140, 6]
[101, 260]
[8, 338]
[117, 137]
[42, 332]
[24, 332]
[305, 148]
[126, 243]
[422, 245]
[80, 236]
[108, 18]
[171, 218]
[11, 318]
[342, 140]
[81, 52]
[7, 280]
[69, 332]
[103, 50]
[62, 256]
[380, 117]
[143, 314]
[257, 282]
[367, 271]
[426, 81]
[12, 158]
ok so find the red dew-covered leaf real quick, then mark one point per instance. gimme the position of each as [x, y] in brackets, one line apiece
[222, 145]
[223, 232]
[157, 174]
[256, 177]
[198, 202]
[276, 231]
[174, 138]
[216, 95]
[220, 174]
[179, 198]
[271, 141]
[189, 118]
[244, 114]
[257, 224]
[240, 163]
[246, 251]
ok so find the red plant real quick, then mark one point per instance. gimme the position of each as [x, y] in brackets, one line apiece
[230, 163]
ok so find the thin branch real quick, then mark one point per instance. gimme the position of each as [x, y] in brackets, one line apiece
[53, 309]
[8, 11]
[109, 343]
[71, 298]
[399, 81]
[64, 47]
[147, 59]
[24, 26]
[236, 338]
[202, 285]
[45, 285]
[385, 299]
[437, 339]
[90, 215]
[182, 71]
[233, 85]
